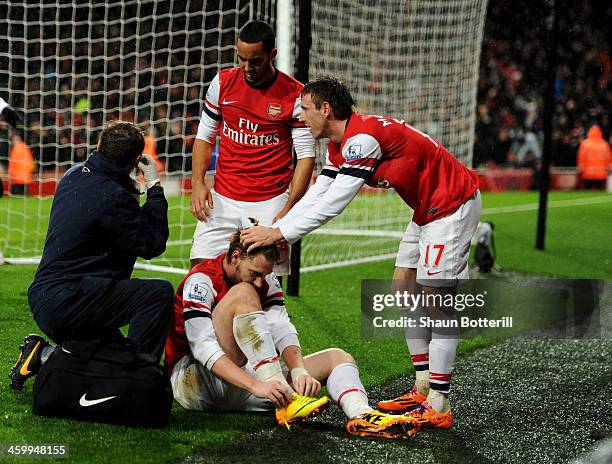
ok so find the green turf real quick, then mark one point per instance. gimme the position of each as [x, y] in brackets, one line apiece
[577, 237]
[326, 314]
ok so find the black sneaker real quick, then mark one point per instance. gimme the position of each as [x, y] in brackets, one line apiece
[29, 361]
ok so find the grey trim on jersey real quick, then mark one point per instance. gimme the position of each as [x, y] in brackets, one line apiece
[211, 115]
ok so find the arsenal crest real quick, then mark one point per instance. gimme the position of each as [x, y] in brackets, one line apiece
[274, 110]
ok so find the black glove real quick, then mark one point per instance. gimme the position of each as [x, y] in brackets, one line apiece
[11, 116]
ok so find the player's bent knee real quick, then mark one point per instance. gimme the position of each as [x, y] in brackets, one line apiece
[158, 296]
[243, 298]
[243, 290]
[165, 292]
[339, 356]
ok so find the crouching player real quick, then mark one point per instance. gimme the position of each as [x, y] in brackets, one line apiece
[222, 353]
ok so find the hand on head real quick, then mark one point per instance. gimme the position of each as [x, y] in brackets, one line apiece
[258, 236]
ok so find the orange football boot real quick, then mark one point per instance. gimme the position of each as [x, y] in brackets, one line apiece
[406, 402]
[426, 416]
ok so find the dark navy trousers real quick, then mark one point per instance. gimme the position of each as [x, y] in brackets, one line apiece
[97, 307]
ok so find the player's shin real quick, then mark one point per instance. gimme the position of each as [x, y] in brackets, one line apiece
[255, 341]
[345, 388]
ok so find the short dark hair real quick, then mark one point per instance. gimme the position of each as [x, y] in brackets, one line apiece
[270, 252]
[258, 31]
[122, 142]
[331, 90]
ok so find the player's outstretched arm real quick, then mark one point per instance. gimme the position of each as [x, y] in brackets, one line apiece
[201, 196]
[273, 390]
[258, 236]
[310, 198]
[292, 227]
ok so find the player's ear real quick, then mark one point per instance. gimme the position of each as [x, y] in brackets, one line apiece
[327, 109]
[273, 53]
[235, 257]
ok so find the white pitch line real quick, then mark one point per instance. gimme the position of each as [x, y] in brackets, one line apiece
[344, 232]
[29, 260]
[551, 204]
[155, 267]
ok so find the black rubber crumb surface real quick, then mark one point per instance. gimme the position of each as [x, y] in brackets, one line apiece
[520, 401]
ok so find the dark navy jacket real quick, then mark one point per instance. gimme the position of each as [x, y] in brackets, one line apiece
[97, 228]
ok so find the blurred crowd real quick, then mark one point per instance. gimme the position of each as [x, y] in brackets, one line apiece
[513, 79]
[154, 73]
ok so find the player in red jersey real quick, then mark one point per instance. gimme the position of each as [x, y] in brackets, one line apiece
[388, 153]
[255, 109]
[230, 327]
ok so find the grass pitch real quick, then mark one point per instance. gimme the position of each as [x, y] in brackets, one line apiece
[327, 314]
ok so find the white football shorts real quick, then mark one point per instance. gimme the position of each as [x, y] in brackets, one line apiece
[211, 238]
[197, 388]
[439, 250]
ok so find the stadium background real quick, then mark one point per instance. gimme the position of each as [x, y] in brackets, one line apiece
[65, 107]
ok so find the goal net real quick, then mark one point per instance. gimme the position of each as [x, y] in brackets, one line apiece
[71, 66]
[416, 60]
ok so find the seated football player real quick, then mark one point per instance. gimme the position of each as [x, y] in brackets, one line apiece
[230, 330]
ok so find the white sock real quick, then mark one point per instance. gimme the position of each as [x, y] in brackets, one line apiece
[419, 355]
[417, 340]
[438, 401]
[345, 389]
[442, 353]
[255, 341]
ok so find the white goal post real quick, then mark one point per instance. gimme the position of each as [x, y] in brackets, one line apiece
[69, 67]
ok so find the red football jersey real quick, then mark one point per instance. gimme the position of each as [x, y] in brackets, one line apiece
[198, 294]
[388, 153]
[255, 126]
